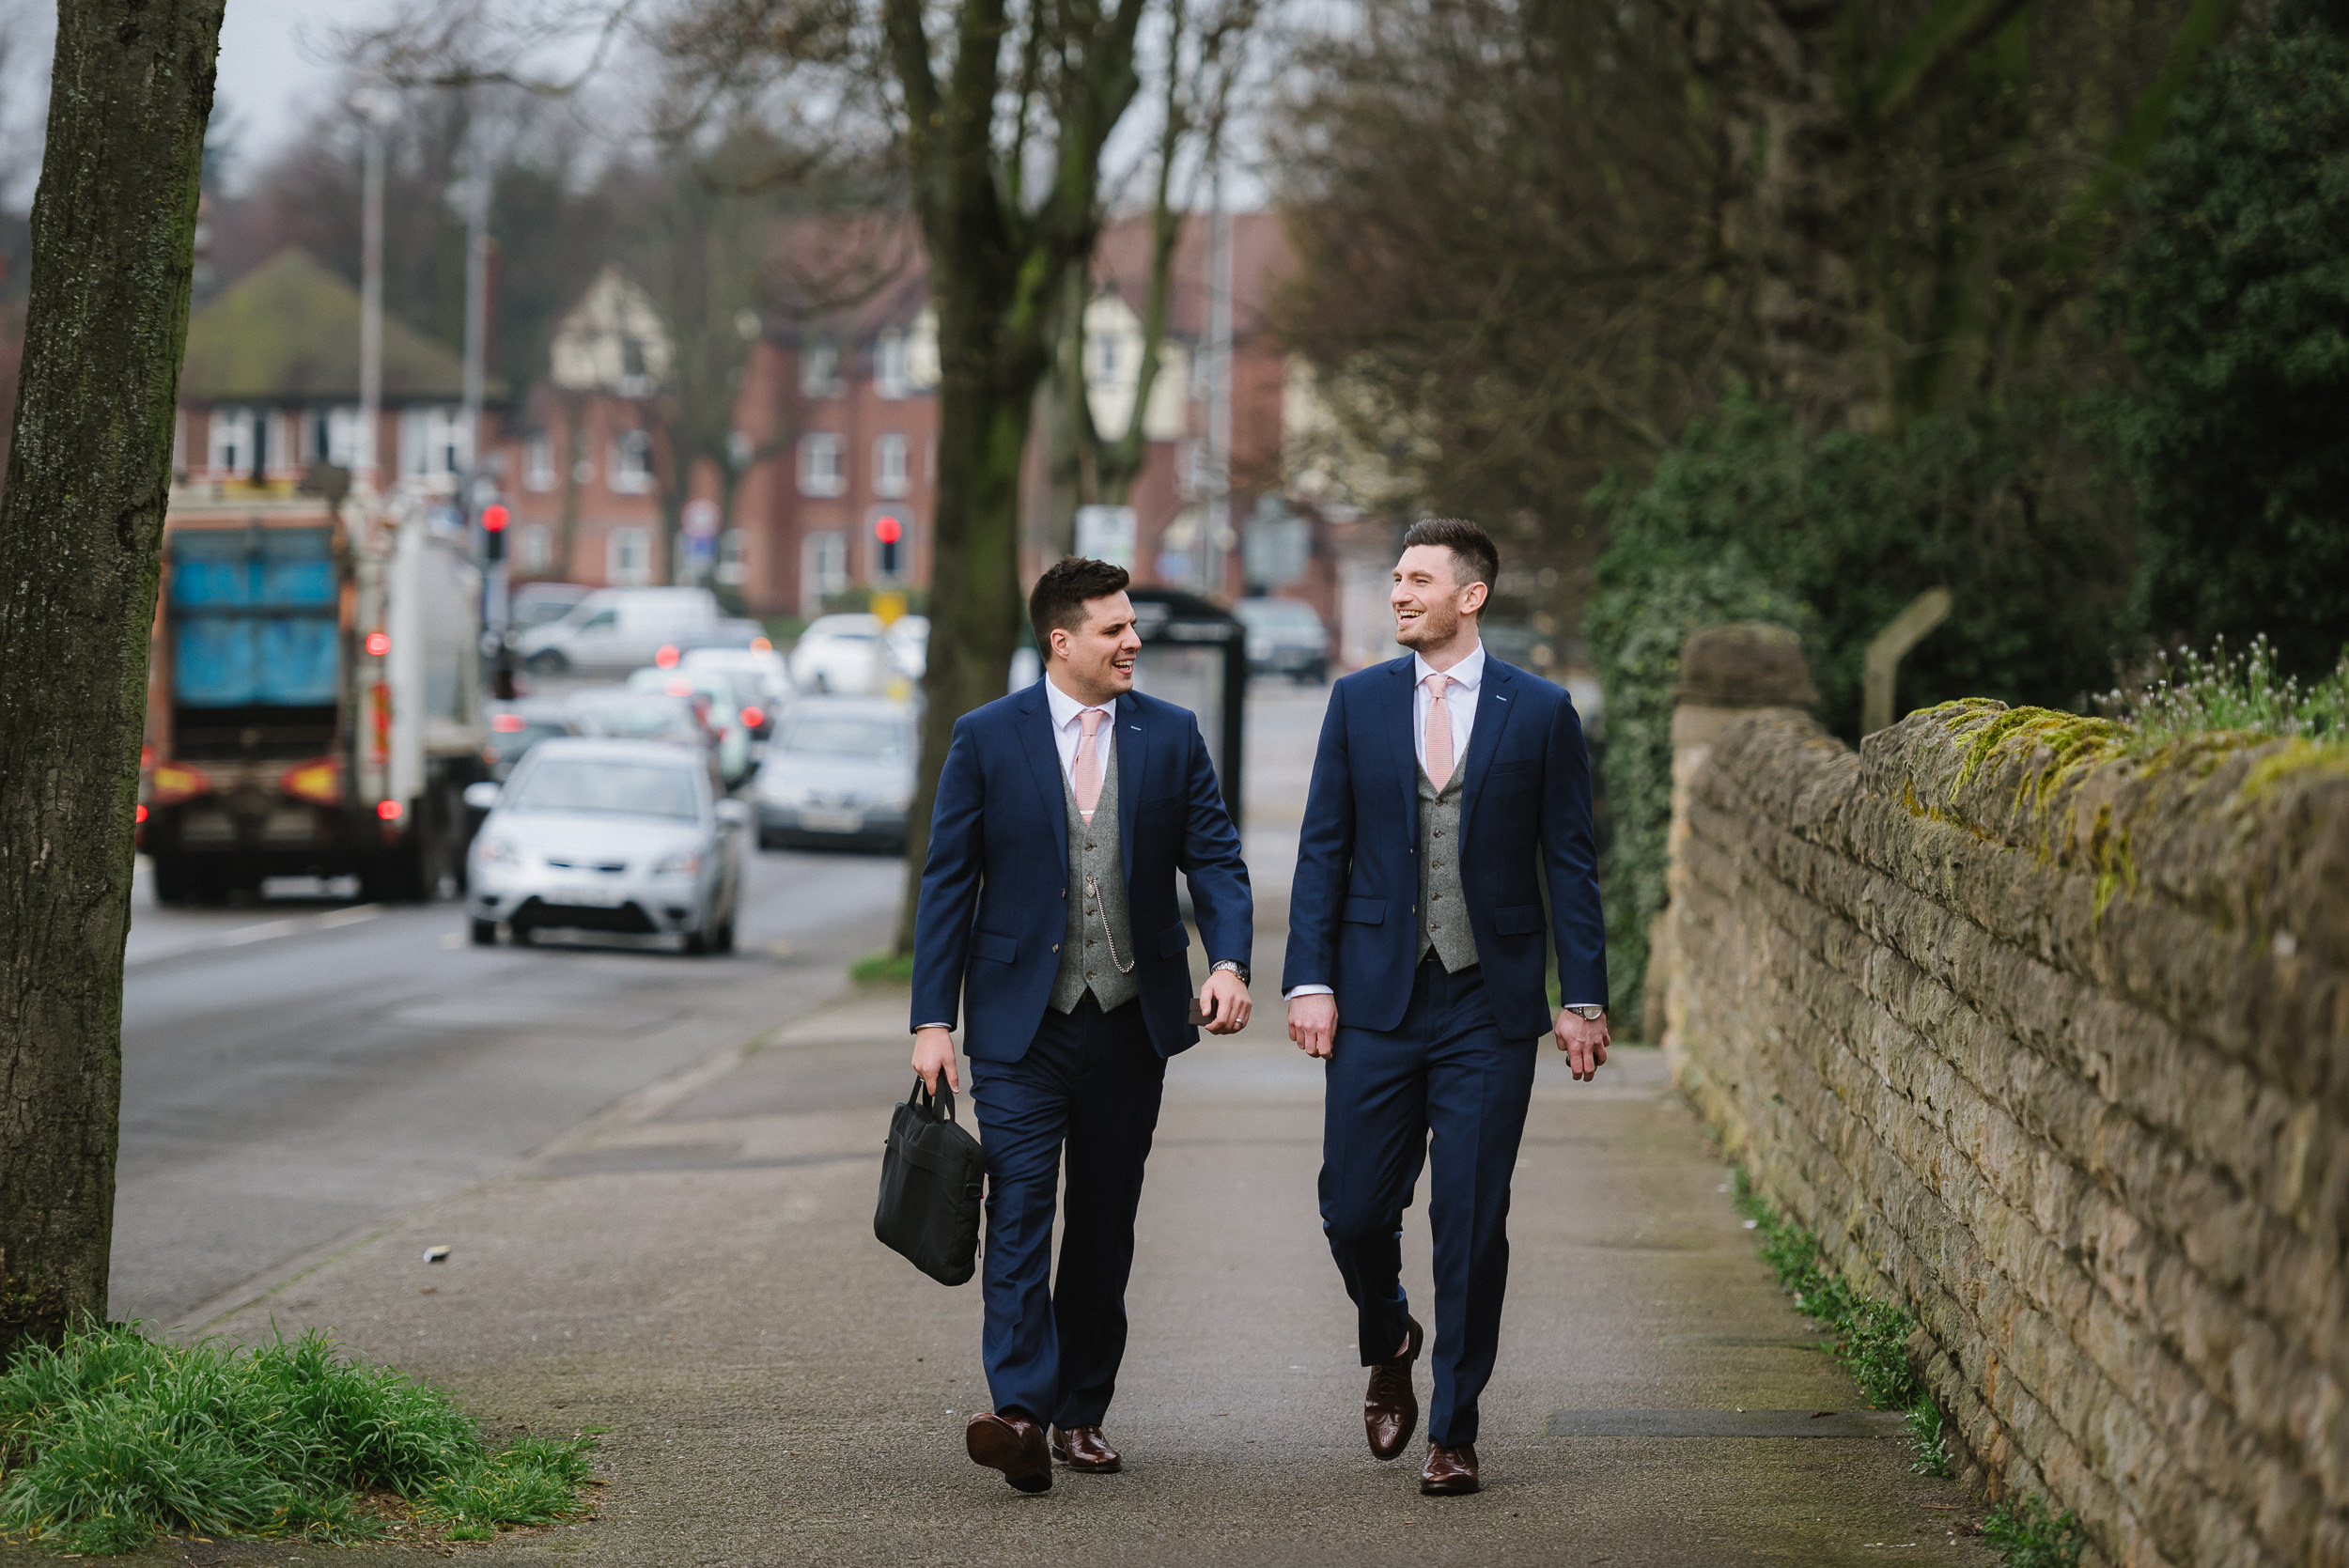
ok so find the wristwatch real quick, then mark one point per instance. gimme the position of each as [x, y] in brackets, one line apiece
[1234, 965]
[1590, 1014]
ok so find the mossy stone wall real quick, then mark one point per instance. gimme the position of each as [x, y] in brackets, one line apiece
[2052, 1044]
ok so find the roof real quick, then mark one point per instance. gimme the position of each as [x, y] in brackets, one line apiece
[288, 332]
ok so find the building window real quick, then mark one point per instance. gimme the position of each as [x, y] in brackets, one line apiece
[734, 561]
[432, 442]
[889, 466]
[819, 370]
[823, 569]
[631, 462]
[628, 558]
[893, 366]
[333, 436]
[1103, 349]
[822, 472]
[534, 546]
[231, 440]
[538, 462]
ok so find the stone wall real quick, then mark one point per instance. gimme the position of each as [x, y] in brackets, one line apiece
[2053, 1046]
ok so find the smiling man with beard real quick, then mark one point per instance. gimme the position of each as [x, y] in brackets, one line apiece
[1448, 792]
[1048, 916]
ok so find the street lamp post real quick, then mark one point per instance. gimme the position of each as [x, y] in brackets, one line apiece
[371, 106]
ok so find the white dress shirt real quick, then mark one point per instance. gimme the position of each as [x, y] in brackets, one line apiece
[1068, 729]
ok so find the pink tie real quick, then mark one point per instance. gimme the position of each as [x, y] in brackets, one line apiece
[1087, 773]
[1439, 732]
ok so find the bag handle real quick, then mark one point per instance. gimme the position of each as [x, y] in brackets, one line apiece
[939, 1106]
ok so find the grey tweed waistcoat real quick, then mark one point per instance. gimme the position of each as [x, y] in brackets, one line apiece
[1097, 954]
[1443, 923]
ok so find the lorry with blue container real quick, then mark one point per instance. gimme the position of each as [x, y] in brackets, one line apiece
[314, 698]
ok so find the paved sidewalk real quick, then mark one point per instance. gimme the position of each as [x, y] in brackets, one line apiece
[696, 1272]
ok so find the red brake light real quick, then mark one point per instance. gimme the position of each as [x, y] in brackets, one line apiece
[754, 717]
[760, 644]
[387, 810]
[680, 688]
[378, 643]
[506, 724]
[667, 658]
[140, 816]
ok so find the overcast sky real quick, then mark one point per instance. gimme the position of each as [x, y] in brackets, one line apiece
[272, 68]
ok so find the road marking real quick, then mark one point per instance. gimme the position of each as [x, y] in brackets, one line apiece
[453, 940]
[267, 930]
[258, 933]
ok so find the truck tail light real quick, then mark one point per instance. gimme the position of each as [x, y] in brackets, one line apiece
[175, 781]
[320, 782]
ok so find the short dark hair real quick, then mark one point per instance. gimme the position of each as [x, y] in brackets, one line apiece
[1473, 557]
[1060, 595]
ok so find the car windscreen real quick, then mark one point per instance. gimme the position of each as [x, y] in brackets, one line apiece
[589, 784]
[841, 735]
[648, 718]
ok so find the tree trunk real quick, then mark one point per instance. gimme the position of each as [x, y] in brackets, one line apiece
[81, 527]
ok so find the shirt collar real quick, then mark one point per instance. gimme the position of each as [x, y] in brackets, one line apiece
[1066, 708]
[1468, 673]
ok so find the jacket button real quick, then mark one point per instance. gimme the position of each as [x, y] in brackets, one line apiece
[1056, 947]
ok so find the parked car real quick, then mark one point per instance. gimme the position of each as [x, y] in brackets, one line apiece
[762, 669]
[607, 835]
[515, 727]
[727, 706]
[1284, 637]
[617, 628]
[838, 653]
[839, 771]
[537, 603]
[909, 640]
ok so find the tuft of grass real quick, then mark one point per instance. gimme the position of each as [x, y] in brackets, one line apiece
[112, 1438]
[884, 967]
[1870, 1337]
[2029, 1535]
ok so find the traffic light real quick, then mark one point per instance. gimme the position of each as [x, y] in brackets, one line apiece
[889, 548]
[494, 521]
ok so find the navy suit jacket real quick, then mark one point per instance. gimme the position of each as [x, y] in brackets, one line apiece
[994, 902]
[1525, 819]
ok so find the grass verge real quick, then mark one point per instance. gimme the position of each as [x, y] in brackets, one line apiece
[114, 1438]
[2030, 1537]
[884, 967]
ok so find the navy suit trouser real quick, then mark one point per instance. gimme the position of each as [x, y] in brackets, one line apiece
[1089, 1084]
[1445, 1069]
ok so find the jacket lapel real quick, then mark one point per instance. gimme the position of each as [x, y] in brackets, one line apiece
[1493, 703]
[1043, 749]
[1133, 753]
[1401, 745]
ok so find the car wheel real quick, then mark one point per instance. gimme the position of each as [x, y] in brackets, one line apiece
[546, 663]
[485, 933]
[523, 936]
[696, 942]
[172, 880]
[721, 940]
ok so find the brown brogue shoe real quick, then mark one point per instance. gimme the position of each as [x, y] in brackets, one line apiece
[1084, 1448]
[1013, 1444]
[1449, 1472]
[1390, 1409]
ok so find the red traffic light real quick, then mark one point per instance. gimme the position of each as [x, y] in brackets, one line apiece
[889, 529]
[493, 517]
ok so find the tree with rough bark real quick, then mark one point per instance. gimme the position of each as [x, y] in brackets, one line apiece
[81, 527]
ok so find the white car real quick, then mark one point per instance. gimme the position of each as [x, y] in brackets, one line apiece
[853, 654]
[607, 835]
[762, 668]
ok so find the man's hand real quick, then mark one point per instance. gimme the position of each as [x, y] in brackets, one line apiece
[1584, 1041]
[1313, 1023]
[934, 1051]
[1224, 1001]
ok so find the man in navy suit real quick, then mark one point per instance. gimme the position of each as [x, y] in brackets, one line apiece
[1048, 912]
[1449, 793]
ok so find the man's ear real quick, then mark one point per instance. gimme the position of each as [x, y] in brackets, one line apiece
[1058, 644]
[1478, 592]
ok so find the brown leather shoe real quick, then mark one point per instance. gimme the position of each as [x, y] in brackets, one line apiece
[1013, 1444]
[1449, 1472]
[1084, 1448]
[1390, 1409]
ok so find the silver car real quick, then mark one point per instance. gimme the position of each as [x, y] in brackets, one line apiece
[607, 835]
[839, 770]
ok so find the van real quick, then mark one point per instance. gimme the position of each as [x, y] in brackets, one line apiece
[615, 630]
